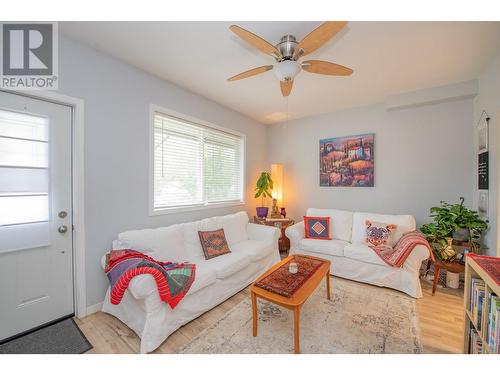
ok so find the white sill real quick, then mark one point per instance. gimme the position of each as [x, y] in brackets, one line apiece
[172, 210]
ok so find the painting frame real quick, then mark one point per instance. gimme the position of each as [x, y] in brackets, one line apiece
[483, 204]
[482, 134]
[347, 161]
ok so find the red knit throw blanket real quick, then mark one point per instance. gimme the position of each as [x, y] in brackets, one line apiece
[397, 255]
[173, 280]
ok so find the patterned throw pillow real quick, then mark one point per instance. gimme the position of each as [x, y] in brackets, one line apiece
[317, 227]
[378, 234]
[213, 243]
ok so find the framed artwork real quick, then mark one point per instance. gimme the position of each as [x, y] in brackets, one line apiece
[347, 161]
[482, 204]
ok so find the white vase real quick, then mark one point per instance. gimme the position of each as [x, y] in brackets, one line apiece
[452, 280]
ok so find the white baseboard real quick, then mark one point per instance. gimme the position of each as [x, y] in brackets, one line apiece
[94, 308]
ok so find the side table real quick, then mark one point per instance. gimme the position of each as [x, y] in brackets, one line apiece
[282, 224]
[455, 267]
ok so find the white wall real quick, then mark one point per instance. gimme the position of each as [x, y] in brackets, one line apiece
[423, 154]
[489, 101]
[117, 98]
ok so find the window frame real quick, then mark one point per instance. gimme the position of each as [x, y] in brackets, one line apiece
[153, 109]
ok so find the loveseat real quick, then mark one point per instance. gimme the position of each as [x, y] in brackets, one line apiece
[254, 248]
[351, 258]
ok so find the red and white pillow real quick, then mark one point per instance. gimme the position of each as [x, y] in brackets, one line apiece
[379, 234]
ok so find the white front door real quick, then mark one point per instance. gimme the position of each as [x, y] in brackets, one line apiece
[36, 247]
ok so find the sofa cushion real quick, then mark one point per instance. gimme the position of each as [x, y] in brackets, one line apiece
[361, 252]
[378, 234]
[164, 244]
[340, 222]
[257, 249]
[228, 264]
[213, 243]
[405, 223]
[192, 244]
[203, 277]
[327, 247]
[317, 227]
[235, 227]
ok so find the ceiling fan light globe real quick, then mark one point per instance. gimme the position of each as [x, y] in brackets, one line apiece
[287, 70]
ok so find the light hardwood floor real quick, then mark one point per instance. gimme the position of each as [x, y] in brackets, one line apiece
[440, 317]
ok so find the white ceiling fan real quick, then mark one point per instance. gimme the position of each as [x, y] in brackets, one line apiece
[288, 51]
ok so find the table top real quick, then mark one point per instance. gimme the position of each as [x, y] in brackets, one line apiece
[302, 294]
[450, 266]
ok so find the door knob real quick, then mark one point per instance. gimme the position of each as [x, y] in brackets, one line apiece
[62, 229]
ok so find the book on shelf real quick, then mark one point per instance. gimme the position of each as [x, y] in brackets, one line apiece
[484, 308]
[476, 344]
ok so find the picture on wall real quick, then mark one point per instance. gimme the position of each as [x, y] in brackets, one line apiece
[347, 161]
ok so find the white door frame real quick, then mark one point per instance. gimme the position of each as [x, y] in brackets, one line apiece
[78, 197]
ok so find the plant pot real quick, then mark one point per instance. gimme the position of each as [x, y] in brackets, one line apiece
[461, 234]
[262, 212]
[452, 280]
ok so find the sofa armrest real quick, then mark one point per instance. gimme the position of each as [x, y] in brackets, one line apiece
[295, 233]
[262, 232]
[416, 257]
[140, 286]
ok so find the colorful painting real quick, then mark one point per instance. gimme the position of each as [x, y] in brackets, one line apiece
[347, 161]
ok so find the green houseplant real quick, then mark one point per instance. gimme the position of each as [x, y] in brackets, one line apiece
[451, 221]
[263, 189]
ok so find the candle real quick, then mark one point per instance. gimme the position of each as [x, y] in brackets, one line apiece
[292, 267]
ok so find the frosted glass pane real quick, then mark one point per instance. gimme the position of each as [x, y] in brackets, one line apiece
[18, 180]
[23, 209]
[18, 152]
[20, 125]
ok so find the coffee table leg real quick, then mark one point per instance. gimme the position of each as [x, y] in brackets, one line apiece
[296, 333]
[327, 276]
[254, 313]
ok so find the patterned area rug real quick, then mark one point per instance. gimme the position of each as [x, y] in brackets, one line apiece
[360, 318]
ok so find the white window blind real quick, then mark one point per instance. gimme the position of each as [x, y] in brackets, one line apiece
[24, 173]
[194, 165]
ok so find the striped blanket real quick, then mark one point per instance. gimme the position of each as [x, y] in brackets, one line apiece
[397, 255]
[172, 279]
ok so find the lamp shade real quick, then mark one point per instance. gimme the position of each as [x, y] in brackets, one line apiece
[277, 177]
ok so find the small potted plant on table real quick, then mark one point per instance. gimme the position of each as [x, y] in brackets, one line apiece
[263, 189]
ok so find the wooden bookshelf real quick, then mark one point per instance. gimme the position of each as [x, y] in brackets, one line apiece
[473, 270]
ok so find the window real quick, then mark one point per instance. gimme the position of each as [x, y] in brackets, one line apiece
[24, 169]
[194, 165]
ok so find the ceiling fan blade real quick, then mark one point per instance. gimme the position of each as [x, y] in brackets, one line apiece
[256, 41]
[325, 67]
[318, 37]
[251, 72]
[286, 87]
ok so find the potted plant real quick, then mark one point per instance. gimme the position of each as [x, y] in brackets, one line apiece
[454, 221]
[263, 189]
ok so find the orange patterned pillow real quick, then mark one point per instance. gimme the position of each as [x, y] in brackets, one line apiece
[213, 243]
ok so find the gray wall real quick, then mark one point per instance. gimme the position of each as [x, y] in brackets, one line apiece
[117, 98]
[422, 155]
[489, 101]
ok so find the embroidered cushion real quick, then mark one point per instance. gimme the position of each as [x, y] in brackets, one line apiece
[213, 243]
[378, 234]
[317, 227]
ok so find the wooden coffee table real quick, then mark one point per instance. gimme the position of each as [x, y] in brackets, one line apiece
[294, 302]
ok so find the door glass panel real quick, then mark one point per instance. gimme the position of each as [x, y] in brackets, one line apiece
[23, 209]
[24, 168]
[20, 125]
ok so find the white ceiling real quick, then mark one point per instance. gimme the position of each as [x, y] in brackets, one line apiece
[387, 57]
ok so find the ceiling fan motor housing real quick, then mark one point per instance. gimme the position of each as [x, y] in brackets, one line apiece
[287, 46]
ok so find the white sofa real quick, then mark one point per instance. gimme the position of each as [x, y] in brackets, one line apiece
[351, 258]
[254, 248]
